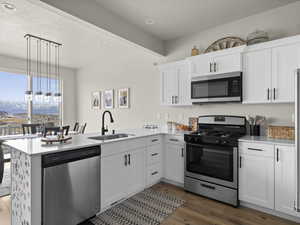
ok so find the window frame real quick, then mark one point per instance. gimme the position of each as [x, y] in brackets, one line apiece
[22, 72]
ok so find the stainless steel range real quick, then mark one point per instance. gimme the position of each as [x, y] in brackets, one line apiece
[211, 158]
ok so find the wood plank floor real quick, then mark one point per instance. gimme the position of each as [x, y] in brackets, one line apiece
[5, 210]
[196, 211]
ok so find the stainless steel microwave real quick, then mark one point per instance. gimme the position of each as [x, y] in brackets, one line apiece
[217, 88]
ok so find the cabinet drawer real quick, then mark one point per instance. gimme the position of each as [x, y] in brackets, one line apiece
[256, 149]
[122, 146]
[154, 154]
[154, 140]
[154, 174]
[175, 139]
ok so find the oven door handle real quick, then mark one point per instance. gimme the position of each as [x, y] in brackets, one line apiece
[211, 146]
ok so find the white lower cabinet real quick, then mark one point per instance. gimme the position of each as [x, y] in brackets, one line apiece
[136, 171]
[256, 180]
[267, 176]
[113, 179]
[285, 179]
[174, 161]
[122, 175]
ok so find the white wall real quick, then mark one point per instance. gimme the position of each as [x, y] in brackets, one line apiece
[16, 65]
[124, 67]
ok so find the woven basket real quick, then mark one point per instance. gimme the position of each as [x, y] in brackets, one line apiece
[281, 132]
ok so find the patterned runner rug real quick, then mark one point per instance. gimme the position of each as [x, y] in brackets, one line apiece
[149, 207]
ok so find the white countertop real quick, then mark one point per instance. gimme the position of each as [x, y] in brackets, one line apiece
[34, 146]
[267, 140]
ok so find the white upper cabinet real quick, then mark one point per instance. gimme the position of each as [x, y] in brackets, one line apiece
[175, 84]
[201, 64]
[257, 76]
[228, 63]
[223, 61]
[285, 179]
[285, 62]
[269, 71]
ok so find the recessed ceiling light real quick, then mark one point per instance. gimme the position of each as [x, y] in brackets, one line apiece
[149, 21]
[9, 6]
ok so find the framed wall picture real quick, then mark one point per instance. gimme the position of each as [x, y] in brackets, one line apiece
[96, 100]
[123, 97]
[108, 99]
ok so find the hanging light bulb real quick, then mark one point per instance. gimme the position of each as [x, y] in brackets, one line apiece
[38, 93]
[28, 93]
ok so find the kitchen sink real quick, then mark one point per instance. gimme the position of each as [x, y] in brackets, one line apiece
[110, 137]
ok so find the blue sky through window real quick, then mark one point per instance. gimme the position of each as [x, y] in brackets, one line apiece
[12, 87]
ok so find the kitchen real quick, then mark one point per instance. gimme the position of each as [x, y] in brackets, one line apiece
[120, 71]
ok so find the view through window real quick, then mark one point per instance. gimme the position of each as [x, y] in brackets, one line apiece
[13, 108]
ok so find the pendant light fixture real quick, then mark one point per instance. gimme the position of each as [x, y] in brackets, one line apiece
[48, 94]
[39, 93]
[28, 92]
[47, 45]
[57, 94]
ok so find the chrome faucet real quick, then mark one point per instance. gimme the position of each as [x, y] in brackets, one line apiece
[104, 130]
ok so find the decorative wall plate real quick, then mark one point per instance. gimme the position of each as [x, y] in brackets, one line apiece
[224, 43]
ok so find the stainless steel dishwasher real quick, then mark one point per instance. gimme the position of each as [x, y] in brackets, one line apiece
[71, 186]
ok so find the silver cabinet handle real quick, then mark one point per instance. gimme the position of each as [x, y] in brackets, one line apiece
[126, 160]
[154, 154]
[240, 161]
[182, 152]
[172, 99]
[210, 69]
[154, 140]
[274, 93]
[215, 67]
[268, 94]
[255, 149]
[277, 154]
[129, 159]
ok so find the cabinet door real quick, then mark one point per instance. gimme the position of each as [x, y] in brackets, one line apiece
[136, 171]
[257, 76]
[228, 63]
[256, 180]
[285, 62]
[174, 166]
[113, 179]
[285, 179]
[170, 85]
[184, 95]
[201, 65]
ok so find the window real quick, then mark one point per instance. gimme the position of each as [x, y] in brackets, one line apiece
[45, 112]
[14, 111]
[13, 108]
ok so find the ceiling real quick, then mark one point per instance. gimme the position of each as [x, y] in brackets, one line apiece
[177, 18]
[82, 44]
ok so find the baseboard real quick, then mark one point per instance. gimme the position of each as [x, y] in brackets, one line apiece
[270, 211]
[172, 182]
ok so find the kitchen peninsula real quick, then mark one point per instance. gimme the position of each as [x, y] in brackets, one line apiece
[143, 148]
